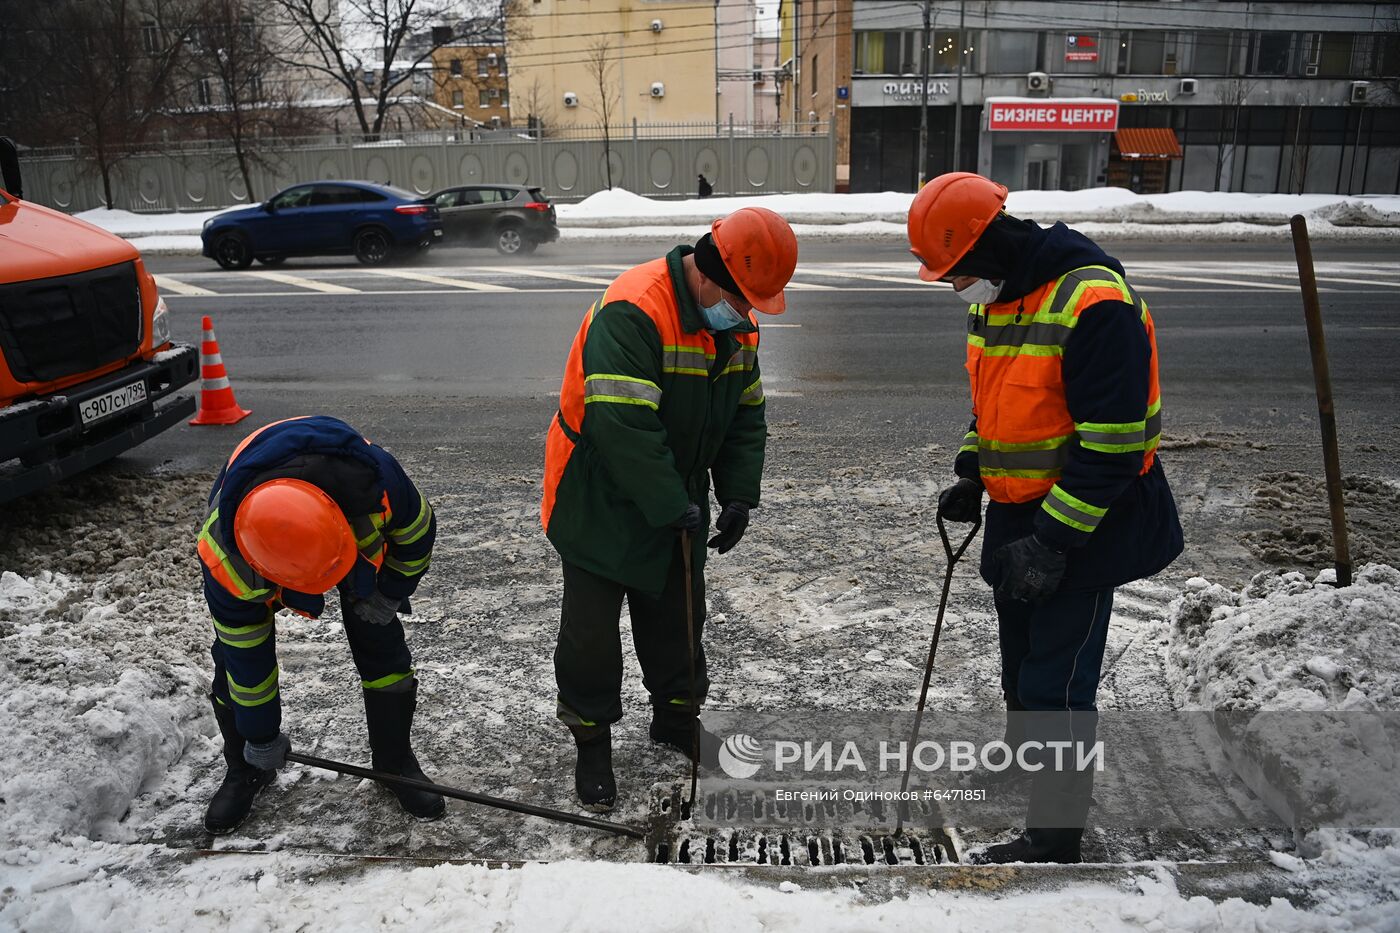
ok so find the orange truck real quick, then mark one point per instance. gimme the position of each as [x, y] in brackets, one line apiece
[87, 367]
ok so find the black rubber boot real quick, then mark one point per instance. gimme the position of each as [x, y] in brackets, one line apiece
[1060, 804]
[233, 801]
[675, 726]
[389, 718]
[593, 774]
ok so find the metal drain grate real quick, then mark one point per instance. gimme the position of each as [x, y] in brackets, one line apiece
[773, 832]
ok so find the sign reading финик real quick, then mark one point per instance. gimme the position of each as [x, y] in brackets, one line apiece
[1095, 116]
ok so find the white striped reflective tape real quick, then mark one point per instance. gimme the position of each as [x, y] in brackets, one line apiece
[219, 383]
[212, 359]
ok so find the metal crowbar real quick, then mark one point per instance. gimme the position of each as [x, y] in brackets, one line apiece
[953, 556]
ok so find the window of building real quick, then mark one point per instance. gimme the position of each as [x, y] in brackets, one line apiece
[459, 100]
[944, 57]
[483, 98]
[1270, 53]
[204, 91]
[247, 31]
[813, 82]
[501, 64]
[255, 86]
[1330, 54]
[483, 67]
[1010, 52]
[1387, 53]
[505, 98]
[1143, 52]
[150, 37]
[890, 53]
[455, 67]
[1216, 53]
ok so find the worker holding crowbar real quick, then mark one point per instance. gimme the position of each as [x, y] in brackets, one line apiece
[1067, 413]
[661, 396]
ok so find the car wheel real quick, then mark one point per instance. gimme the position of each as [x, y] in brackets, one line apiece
[231, 252]
[528, 246]
[509, 241]
[272, 260]
[372, 246]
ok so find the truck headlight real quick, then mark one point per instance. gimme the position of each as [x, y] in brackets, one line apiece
[160, 324]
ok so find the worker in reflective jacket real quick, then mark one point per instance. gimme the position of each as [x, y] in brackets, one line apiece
[661, 395]
[302, 506]
[1067, 415]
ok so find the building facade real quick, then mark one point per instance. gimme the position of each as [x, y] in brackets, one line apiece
[648, 60]
[473, 82]
[1154, 96]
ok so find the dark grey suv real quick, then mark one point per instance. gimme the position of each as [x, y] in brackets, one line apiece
[512, 218]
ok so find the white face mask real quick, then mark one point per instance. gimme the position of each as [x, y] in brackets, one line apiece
[980, 292]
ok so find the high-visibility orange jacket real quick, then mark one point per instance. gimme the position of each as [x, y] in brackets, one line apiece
[652, 406]
[1067, 413]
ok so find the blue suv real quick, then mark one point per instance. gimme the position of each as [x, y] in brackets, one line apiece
[323, 218]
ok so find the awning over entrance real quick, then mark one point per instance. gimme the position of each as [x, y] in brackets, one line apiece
[1147, 143]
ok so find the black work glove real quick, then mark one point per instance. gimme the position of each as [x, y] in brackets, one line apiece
[376, 610]
[732, 521]
[1027, 570]
[961, 502]
[689, 520]
[268, 756]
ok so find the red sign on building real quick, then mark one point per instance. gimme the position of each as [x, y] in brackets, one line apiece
[1083, 115]
[1081, 47]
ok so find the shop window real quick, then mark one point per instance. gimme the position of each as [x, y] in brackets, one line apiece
[1215, 54]
[1270, 53]
[1010, 52]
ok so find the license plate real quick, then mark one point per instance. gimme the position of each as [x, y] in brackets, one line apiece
[111, 403]
[437, 232]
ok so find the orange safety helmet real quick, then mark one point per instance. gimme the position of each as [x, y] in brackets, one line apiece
[294, 534]
[760, 251]
[947, 216]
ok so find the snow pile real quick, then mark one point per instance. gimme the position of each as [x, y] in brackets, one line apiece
[1284, 643]
[287, 892]
[621, 215]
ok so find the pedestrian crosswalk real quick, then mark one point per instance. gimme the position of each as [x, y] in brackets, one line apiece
[342, 281]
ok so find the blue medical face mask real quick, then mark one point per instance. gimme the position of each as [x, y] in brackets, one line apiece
[721, 315]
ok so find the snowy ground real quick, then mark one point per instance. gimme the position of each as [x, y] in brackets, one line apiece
[105, 735]
[1102, 213]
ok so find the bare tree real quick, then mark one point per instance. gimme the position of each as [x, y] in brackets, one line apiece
[233, 70]
[109, 72]
[1232, 95]
[374, 71]
[602, 68]
[539, 108]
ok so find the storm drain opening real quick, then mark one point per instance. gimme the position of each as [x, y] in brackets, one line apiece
[778, 833]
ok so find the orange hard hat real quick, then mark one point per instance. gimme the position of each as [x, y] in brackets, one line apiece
[295, 535]
[947, 216]
[760, 251]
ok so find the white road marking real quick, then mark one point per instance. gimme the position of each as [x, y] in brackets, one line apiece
[911, 279]
[545, 274]
[283, 278]
[180, 288]
[440, 280]
[1176, 277]
[1328, 277]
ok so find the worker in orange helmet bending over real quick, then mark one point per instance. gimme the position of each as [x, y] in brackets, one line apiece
[302, 506]
[661, 397]
[1066, 419]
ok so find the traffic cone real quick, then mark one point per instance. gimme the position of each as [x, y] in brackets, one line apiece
[216, 402]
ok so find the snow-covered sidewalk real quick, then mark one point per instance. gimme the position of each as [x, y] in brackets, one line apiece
[619, 215]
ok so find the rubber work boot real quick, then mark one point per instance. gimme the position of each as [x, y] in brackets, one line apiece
[389, 718]
[593, 775]
[233, 801]
[675, 725]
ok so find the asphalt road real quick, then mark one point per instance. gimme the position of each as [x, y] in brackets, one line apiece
[467, 346]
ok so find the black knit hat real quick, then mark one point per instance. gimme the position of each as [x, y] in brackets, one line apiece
[998, 251]
[711, 265]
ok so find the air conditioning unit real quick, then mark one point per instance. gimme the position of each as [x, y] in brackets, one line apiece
[656, 25]
[494, 93]
[1310, 71]
[495, 123]
[1358, 92]
[491, 58]
[1037, 81]
[570, 99]
[658, 89]
[1187, 86]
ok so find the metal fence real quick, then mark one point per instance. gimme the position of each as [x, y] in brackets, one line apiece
[656, 160]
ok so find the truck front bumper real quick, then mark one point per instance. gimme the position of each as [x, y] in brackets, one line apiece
[48, 437]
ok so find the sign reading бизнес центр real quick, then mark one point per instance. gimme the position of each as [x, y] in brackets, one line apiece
[1077, 115]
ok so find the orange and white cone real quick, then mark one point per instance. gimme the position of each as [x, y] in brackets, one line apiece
[216, 402]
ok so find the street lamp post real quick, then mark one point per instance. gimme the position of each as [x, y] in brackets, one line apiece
[957, 105]
[923, 106]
